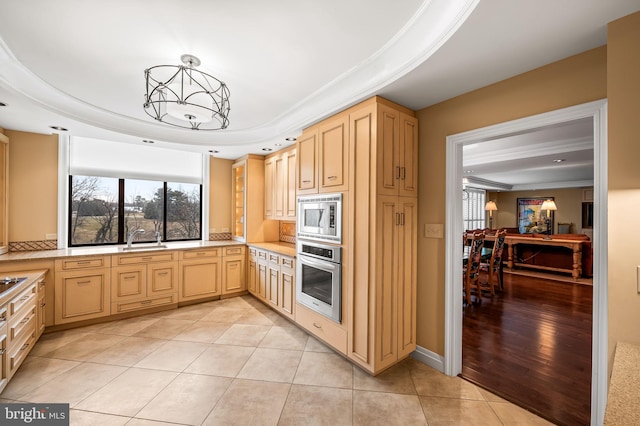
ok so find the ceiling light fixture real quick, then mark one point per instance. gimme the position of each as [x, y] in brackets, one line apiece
[267, 149]
[182, 96]
[58, 128]
[290, 139]
[2, 104]
[559, 160]
[147, 141]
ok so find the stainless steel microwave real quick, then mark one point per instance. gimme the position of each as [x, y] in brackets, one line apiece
[320, 217]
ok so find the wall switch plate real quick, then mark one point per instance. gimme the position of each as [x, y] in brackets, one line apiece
[433, 230]
[212, 230]
[225, 229]
[50, 236]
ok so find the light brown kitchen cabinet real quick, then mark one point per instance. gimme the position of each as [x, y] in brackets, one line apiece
[4, 189]
[307, 169]
[200, 274]
[233, 270]
[397, 152]
[248, 218]
[287, 286]
[381, 297]
[4, 355]
[82, 288]
[273, 279]
[323, 156]
[143, 281]
[41, 306]
[280, 185]
[263, 274]
[252, 271]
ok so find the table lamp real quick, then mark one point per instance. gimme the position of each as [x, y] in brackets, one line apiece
[491, 207]
[548, 205]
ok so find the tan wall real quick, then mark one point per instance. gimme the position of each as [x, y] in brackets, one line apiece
[569, 202]
[572, 81]
[220, 195]
[623, 80]
[33, 185]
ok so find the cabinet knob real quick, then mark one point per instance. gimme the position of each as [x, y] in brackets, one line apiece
[316, 325]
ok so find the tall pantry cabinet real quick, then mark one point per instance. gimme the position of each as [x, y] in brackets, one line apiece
[383, 222]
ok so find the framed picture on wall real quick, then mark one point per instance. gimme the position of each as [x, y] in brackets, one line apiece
[531, 218]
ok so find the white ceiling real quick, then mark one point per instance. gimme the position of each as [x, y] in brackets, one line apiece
[288, 64]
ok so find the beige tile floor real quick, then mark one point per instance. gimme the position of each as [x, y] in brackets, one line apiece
[234, 362]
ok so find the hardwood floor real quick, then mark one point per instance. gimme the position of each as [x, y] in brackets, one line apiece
[531, 344]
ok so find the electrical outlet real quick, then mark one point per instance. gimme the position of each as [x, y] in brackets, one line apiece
[433, 230]
[212, 230]
[225, 229]
[50, 236]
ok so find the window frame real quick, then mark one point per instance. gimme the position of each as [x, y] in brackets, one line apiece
[477, 222]
[122, 238]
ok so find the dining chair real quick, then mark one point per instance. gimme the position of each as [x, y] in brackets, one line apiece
[492, 268]
[471, 269]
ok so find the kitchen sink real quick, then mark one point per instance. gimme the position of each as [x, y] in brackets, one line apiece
[144, 247]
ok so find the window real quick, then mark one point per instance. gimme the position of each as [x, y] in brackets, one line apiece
[116, 188]
[106, 210]
[473, 214]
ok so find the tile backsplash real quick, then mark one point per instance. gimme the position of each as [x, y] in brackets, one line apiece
[33, 245]
[288, 232]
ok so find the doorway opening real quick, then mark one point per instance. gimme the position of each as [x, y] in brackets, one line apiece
[597, 112]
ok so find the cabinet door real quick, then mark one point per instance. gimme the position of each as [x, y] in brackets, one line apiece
[162, 278]
[290, 186]
[273, 283]
[388, 155]
[4, 374]
[307, 164]
[233, 274]
[333, 154]
[270, 187]
[41, 308]
[406, 270]
[129, 283]
[262, 278]
[386, 305]
[238, 199]
[287, 289]
[408, 156]
[279, 181]
[199, 279]
[252, 275]
[82, 295]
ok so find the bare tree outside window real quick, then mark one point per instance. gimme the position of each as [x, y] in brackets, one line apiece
[94, 210]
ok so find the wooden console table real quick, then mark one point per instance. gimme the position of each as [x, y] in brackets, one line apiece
[574, 245]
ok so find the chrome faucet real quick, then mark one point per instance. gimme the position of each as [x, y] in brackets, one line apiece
[133, 234]
[159, 238]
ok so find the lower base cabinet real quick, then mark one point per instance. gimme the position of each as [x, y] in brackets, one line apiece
[233, 270]
[19, 326]
[271, 278]
[82, 289]
[200, 274]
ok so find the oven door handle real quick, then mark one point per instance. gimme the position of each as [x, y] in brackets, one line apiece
[323, 265]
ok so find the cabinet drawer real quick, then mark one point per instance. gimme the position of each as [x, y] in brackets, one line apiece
[233, 251]
[28, 296]
[144, 258]
[288, 262]
[198, 254]
[22, 324]
[262, 255]
[274, 258]
[19, 352]
[322, 327]
[169, 299]
[253, 252]
[82, 263]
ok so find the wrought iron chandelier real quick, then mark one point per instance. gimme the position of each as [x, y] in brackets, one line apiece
[182, 96]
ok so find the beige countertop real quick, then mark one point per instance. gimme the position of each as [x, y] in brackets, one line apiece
[288, 249]
[108, 250]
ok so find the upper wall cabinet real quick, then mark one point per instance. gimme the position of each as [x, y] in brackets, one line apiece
[323, 156]
[280, 185]
[4, 186]
[397, 152]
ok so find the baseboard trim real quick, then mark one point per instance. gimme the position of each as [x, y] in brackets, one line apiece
[432, 359]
